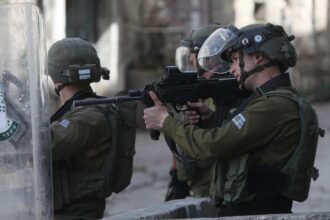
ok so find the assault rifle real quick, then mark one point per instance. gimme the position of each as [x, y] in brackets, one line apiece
[177, 88]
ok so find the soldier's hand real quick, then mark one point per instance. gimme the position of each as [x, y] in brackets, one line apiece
[155, 116]
[197, 111]
[177, 189]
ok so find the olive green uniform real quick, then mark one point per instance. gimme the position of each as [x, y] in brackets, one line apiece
[266, 150]
[197, 173]
[80, 141]
[270, 133]
[267, 130]
[200, 183]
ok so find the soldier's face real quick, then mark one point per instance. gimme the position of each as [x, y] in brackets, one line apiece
[234, 68]
[207, 75]
[248, 61]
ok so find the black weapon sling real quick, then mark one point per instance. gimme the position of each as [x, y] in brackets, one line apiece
[67, 105]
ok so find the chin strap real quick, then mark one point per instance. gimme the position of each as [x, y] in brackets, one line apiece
[60, 87]
[200, 70]
[243, 72]
[246, 74]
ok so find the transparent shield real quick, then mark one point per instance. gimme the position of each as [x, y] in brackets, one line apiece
[25, 159]
[185, 60]
[209, 56]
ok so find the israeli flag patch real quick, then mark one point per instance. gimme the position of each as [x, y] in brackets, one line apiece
[65, 123]
[239, 120]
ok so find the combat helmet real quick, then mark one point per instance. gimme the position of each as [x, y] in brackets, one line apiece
[75, 61]
[186, 53]
[267, 39]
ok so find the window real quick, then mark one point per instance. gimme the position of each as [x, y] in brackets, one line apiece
[259, 11]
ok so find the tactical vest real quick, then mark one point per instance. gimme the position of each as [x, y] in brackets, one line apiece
[116, 172]
[230, 183]
[300, 167]
[123, 120]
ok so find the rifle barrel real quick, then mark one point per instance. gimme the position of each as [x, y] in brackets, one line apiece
[116, 99]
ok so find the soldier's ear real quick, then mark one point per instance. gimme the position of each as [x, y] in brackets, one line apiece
[258, 58]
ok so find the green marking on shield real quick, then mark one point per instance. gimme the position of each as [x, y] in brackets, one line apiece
[10, 130]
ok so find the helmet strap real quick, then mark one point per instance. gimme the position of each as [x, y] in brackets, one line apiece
[60, 87]
[200, 70]
[260, 68]
[246, 74]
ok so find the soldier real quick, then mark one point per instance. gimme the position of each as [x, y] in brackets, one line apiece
[269, 142]
[188, 174]
[80, 136]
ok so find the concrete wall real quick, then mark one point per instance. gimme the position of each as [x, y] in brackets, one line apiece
[139, 34]
[309, 21]
[221, 11]
[202, 209]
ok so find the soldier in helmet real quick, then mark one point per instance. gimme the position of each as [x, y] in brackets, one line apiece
[186, 53]
[266, 149]
[188, 175]
[80, 136]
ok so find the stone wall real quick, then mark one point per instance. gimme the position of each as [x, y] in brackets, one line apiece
[310, 23]
[202, 209]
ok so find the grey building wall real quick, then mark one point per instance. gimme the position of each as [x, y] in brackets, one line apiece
[309, 21]
[221, 11]
[150, 30]
[310, 24]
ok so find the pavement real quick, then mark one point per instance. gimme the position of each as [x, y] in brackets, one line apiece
[153, 160]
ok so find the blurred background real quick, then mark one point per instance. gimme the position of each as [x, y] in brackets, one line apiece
[135, 39]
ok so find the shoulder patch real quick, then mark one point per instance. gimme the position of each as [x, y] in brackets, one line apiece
[239, 120]
[65, 123]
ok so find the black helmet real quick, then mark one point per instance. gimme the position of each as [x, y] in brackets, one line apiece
[186, 53]
[268, 39]
[197, 37]
[75, 61]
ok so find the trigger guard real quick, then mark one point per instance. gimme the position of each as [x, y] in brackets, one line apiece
[180, 107]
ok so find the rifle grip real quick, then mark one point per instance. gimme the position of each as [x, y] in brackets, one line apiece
[154, 134]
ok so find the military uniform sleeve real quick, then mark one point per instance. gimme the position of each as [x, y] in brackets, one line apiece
[76, 132]
[245, 132]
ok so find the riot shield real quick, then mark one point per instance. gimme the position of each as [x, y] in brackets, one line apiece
[25, 154]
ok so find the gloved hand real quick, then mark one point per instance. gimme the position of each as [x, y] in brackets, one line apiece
[177, 189]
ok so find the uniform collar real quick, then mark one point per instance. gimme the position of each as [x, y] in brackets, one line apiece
[282, 80]
[67, 105]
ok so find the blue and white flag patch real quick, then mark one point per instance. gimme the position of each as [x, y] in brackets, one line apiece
[65, 123]
[239, 120]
